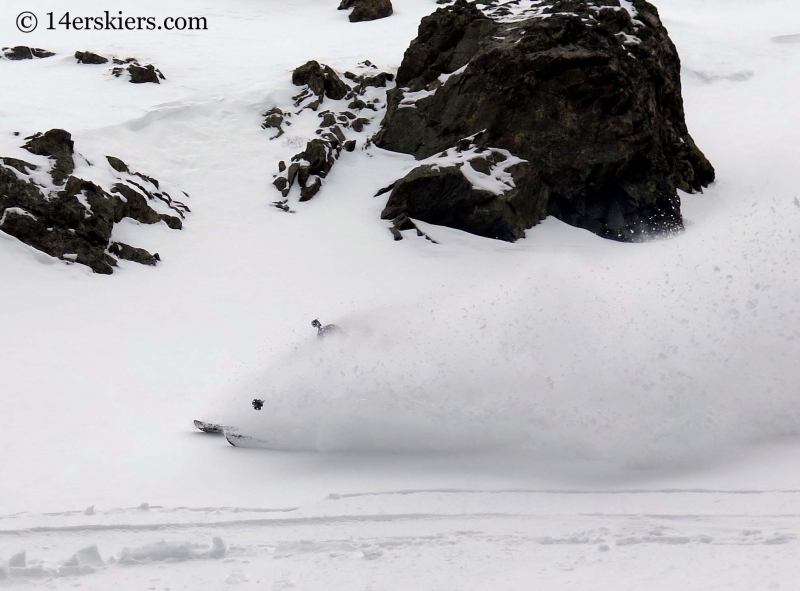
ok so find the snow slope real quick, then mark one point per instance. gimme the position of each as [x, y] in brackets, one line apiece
[634, 409]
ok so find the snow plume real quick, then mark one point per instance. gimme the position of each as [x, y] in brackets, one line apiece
[598, 355]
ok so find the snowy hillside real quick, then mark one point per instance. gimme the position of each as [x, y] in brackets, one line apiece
[561, 411]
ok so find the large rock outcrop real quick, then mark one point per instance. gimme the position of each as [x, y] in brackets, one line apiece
[586, 93]
[71, 218]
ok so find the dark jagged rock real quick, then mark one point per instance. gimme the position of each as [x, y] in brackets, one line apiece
[139, 74]
[328, 119]
[442, 194]
[87, 57]
[321, 80]
[22, 52]
[74, 219]
[283, 205]
[310, 166]
[358, 124]
[367, 10]
[274, 119]
[56, 144]
[117, 164]
[402, 223]
[590, 97]
[133, 254]
[145, 74]
[307, 192]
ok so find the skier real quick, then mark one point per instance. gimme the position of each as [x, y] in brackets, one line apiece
[322, 332]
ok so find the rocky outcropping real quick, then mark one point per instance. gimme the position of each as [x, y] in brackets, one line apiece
[584, 96]
[72, 219]
[22, 52]
[367, 10]
[320, 82]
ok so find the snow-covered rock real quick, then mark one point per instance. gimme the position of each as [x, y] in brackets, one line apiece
[71, 218]
[586, 92]
[367, 10]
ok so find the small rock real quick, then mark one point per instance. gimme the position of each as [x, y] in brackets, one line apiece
[308, 191]
[87, 57]
[133, 254]
[367, 10]
[144, 74]
[280, 183]
[321, 80]
[358, 124]
[117, 164]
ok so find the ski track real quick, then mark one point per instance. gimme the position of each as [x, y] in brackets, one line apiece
[574, 533]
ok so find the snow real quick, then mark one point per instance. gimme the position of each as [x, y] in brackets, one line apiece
[564, 410]
[629, 7]
[15, 211]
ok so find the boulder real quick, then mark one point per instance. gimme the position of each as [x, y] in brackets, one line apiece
[87, 57]
[55, 144]
[73, 220]
[586, 94]
[138, 74]
[454, 192]
[321, 80]
[367, 10]
[144, 74]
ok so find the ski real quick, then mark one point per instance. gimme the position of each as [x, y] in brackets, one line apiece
[237, 440]
[209, 427]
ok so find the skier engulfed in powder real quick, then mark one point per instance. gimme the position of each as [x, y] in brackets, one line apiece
[322, 332]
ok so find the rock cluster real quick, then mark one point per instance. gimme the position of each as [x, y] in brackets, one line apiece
[138, 74]
[583, 95]
[367, 10]
[22, 52]
[72, 219]
[320, 82]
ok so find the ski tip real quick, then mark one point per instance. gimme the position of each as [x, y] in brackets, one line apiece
[232, 438]
[209, 427]
[237, 440]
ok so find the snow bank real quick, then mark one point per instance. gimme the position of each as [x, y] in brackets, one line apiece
[164, 551]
